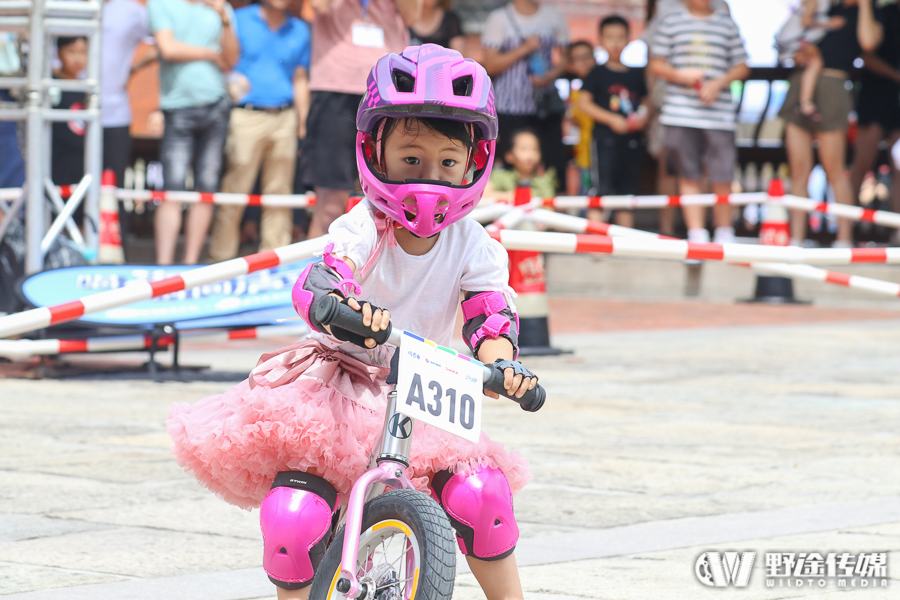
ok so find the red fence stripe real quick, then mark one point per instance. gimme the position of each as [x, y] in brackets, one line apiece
[157, 195]
[206, 198]
[254, 200]
[595, 227]
[593, 243]
[723, 199]
[838, 278]
[705, 251]
[72, 346]
[595, 202]
[674, 200]
[167, 286]
[263, 260]
[868, 215]
[872, 255]
[66, 312]
[822, 207]
[242, 334]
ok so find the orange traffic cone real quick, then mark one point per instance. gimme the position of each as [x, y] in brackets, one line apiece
[526, 278]
[111, 252]
[774, 230]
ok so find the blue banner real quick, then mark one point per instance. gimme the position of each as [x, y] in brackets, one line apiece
[267, 289]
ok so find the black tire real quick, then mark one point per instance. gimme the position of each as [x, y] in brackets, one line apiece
[431, 529]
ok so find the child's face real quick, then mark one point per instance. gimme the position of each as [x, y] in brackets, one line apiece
[581, 60]
[525, 154]
[74, 57]
[416, 152]
[614, 38]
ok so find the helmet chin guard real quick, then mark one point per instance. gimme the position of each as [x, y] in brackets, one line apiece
[426, 82]
[423, 206]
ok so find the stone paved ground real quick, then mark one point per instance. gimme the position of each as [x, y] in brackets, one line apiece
[671, 430]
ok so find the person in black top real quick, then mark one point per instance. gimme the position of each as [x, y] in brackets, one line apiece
[839, 48]
[614, 96]
[68, 136]
[878, 103]
[437, 25]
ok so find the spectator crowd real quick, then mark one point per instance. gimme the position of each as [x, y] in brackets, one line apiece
[253, 97]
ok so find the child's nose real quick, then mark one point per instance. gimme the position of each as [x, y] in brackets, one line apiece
[431, 170]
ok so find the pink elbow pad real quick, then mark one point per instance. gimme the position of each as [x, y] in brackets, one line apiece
[317, 281]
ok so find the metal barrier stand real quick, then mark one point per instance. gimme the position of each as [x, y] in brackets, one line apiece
[44, 20]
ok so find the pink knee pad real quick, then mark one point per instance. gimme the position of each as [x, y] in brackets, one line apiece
[481, 509]
[295, 518]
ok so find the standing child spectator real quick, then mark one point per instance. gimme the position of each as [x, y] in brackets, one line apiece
[525, 169]
[699, 51]
[68, 136]
[266, 123]
[615, 97]
[581, 60]
[438, 25]
[196, 43]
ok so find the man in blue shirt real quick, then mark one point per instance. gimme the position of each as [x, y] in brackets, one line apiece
[271, 88]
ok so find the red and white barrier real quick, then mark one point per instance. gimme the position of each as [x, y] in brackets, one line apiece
[39, 318]
[123, 343]
[648, 247]
[581, 225]
[282, 200]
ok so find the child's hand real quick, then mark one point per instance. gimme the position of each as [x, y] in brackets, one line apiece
[690, 76]
[709, 91]
[619, 124]
[835, 23]
[378, 321]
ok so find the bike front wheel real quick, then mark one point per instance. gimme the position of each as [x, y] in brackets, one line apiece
[406, 551]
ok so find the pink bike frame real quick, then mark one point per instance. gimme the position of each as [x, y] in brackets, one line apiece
[388, 473]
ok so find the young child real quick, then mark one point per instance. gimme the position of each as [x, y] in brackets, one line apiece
[68, 137]
[615, 96]
[581, 61]
[315, 408]
[524, 161]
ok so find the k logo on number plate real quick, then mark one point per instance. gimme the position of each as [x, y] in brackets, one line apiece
[437, 386]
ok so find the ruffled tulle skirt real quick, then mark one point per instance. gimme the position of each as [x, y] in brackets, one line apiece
[307, 406]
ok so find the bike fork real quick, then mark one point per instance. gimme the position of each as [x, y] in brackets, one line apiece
[389, 470]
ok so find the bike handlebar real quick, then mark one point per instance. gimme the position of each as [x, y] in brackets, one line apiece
[331, 312]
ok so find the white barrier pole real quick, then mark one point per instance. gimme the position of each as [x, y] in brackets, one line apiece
[39, 318]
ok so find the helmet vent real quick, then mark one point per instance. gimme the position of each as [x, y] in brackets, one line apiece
[403, 82]
[462, 86]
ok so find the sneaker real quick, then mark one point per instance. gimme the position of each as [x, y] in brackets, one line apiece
[699, 235]
[724, 235]
[840, 244]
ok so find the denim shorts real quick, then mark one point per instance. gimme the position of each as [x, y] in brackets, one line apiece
[194, 137]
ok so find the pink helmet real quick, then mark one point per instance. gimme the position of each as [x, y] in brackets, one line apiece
[426, 81]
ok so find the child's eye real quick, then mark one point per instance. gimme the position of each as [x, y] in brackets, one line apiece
[448, 162]
[411, 160]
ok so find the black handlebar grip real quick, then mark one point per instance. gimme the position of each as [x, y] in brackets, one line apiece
[330, 311]
[531, 401]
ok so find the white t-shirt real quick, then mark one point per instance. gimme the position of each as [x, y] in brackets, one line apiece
[506, 29]
[422, 292]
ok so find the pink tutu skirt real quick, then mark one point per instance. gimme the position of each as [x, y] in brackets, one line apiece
[307, 406]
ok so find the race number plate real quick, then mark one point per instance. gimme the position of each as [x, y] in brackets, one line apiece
[439, 387]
